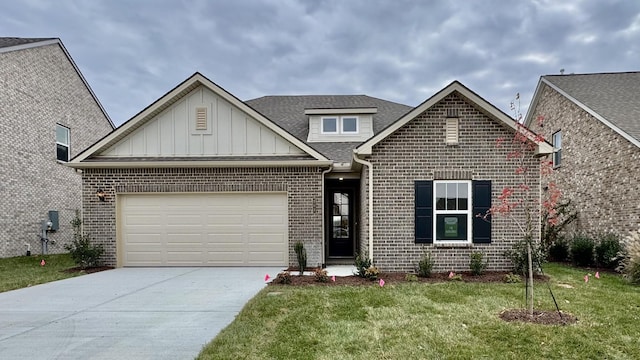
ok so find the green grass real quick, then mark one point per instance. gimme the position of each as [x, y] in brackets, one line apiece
[451, 320]
[23, 271]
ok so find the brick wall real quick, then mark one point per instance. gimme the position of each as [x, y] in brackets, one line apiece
[417, 151]
[303, 186]
[600, 170]
[38, 89]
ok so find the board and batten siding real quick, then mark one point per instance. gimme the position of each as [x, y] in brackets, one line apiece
[229, 132]
[365, 129]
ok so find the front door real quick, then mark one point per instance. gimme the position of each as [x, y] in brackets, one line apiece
[341, 222]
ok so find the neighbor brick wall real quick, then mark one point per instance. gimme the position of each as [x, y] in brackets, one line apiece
[600, 170]
[302, 184]
[38, 88]
[417, 151]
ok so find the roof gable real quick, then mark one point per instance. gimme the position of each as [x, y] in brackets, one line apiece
[464, 92]
[176, 108]
[612, 98]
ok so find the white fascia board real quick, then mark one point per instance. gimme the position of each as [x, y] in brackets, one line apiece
[534, 103]
[29, 45]
[340, 111]
[590, 111]
[194, 164]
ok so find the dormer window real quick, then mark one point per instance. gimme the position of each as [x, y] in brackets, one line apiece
[340, 125]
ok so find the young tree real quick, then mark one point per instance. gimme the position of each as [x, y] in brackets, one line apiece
[524, 197]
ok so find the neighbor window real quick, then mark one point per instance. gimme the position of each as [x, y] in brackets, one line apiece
[340, 125]
[330, 125]
[452, 211]
[62, 143]
[557, 148]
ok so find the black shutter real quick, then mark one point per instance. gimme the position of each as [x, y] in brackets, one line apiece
[481, 203]
[424, 211]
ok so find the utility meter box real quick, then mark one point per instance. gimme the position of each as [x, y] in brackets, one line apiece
[53, 217]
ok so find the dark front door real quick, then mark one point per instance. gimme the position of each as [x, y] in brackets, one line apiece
[341, 216]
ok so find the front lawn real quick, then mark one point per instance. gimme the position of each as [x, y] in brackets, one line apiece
[450, 320]
[24, 271]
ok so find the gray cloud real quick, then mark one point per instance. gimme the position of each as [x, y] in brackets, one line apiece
[133, 52]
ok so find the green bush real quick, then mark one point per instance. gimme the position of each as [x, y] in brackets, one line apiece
[410, 278]
[283, 278]
[607, 251]
[582, 250]
[559, 250]
[321, 275]
[476, 264]
[518, 257]
[301, 254]
[362, 263]
[630, 258]
[425, 265]
[83, 253]
[512, 278]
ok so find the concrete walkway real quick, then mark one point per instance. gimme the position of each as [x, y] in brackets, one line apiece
[131, 313]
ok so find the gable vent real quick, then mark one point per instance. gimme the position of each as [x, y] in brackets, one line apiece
[452, 113]
[201, 118]
[451, 136]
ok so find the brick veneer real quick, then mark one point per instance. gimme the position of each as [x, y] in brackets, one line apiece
[600, 170]
[302, 184]
[40, 88]
[417, 151]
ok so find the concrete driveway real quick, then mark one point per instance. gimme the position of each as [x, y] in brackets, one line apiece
[130, 313]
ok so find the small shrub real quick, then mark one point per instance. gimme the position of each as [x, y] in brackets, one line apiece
[630, 258]
[83, 253]
[512, 278]
[455, 277]
[321, 275]
[301, 254]
[425, 265]
[372, 273]
[283, 278]
[362, 263]
[559, 250]
[518, 256]
[411, 277]
[582, 250]
[607, 251]
[476, 264]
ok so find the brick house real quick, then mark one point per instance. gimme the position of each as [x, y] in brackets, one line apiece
[202, 178]
[48, 113]
[593, 120]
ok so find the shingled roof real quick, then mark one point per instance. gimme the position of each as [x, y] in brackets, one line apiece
[14, 41]
[613, 96]
[288, 113]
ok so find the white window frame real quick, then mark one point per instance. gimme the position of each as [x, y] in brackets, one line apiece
[467, 212]
[557, 150]
[67, 145]
[336, 118]
[339, 125]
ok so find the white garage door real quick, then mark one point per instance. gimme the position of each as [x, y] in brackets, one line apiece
[234, 229]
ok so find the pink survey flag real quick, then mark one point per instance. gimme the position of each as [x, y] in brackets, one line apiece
[333, 278]
[42, 263]
[597, 274]
[451, 274]
[267, 277]
[586, 278]
[381, 283]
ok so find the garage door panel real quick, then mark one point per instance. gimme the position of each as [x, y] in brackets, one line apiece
[231, 229]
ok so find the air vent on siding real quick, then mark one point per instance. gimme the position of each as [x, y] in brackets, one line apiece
[451, 136]
[201, 118]
[452, 113]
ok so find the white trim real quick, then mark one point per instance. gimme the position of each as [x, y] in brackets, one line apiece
[68, 144]
[174, 95]
[337, 120]
[340, 125]
[366, 147]
[340, 111]
[584, 107]
[195, 163]
[556, 149]
[467, 212]
[342, 131]
[370, 207]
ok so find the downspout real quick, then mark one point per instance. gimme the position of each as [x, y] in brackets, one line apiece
[370, 207]
[324, 239]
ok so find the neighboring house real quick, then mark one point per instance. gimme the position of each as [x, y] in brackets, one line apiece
[593, 120]
[200, 177]
[48, 113]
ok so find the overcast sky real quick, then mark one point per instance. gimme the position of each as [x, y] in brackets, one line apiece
[132, 52]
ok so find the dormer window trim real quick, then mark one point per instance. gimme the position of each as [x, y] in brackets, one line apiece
[339, 125]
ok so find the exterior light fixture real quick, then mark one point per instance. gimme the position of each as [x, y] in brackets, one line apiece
[100, 194]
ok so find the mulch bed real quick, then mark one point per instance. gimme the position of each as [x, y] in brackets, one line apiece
[90, 270]
[541, 317]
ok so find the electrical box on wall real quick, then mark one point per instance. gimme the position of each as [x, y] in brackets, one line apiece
[53, 217]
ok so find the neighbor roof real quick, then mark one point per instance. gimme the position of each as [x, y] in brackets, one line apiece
[613, 98]
[15, 41]
[289, 113]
